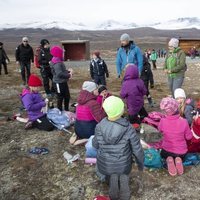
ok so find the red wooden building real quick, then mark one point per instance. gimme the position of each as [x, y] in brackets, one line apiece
[76, 50]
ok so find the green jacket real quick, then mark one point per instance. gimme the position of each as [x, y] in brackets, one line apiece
[175, 62]
[153, 56]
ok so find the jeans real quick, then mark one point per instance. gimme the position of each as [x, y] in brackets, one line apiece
[25, 70]
[175, 83]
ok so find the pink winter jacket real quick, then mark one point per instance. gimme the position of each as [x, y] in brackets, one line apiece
[176, 132]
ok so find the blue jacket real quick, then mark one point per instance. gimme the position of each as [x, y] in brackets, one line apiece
[134, 55]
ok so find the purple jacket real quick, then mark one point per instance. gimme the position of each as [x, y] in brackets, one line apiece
[33, 104]
[133, 90]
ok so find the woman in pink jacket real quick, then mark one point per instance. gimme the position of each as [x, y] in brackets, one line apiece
[176, 132]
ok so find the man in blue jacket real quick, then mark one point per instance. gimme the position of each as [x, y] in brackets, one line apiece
[128, 53]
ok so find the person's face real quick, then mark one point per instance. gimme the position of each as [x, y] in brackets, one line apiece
[124, 42]
[104, 93]
[94, 56]
[25, 42]
[95, 92]
[46, 46]
[171, 48]
[180, 100]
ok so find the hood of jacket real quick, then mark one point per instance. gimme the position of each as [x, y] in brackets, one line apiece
[85, 96]
[131, 73]
[114, 130]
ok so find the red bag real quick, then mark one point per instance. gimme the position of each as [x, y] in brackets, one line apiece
[36, 57]
[99, 197]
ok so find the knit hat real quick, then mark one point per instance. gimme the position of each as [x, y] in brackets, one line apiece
[101, 89]
[173, 43]
[125, 37]
[89, 86]
[57, 51]
[43, 42]
[96, 53]
[34, 81]
[169, 105]
[25, 39]
[114, 107]
[179, 92]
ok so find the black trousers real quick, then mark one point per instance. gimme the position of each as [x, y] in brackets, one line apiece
[164, 154]
[43, 124]
[25, 70]
[5, 67]
[63, 95]
[100, 80]
[135, 119]
[47, 77]
[154, 64]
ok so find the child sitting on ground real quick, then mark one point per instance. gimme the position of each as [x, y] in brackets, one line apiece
[176, 132]
[133, 91]
[194, 143]
[33, 104]
[88, 113]
[116, 142]
[186, 106]
[103, 94]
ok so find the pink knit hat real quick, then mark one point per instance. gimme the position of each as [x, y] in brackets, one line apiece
[57, 51]
[169, 105]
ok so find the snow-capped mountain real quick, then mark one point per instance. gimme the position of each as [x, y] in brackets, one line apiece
[180, 23]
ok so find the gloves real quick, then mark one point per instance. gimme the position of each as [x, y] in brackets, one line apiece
[107, 75]
[118, 76]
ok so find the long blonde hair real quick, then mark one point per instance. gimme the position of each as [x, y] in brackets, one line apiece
[182, 108]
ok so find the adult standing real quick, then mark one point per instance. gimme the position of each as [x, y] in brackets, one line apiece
[24, 57]
[175, 65]
[3, 58]
[45, 70]
[128, 53]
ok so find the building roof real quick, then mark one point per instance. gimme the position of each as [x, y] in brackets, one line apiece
[73, 41]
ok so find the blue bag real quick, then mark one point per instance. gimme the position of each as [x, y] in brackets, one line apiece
[152, 158]
[191, 159]
[59, 119]
[91, 152]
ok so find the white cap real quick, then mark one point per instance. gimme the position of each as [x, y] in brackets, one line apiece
[179, 92]
[173, 43]
[89, 86]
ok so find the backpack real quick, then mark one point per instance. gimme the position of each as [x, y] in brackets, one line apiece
[152, 158]
[36, 57]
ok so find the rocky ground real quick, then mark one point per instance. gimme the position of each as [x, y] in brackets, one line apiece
[48, 177]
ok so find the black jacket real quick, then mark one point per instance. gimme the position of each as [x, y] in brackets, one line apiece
[24, 53]
[98, 68]
[3, 55]
[147, 74]
[44, 57]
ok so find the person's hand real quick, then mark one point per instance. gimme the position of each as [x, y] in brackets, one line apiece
[166, 71]
[169, 72]
[151, 86]
[118, 76]
[17, 62]
[107, 75]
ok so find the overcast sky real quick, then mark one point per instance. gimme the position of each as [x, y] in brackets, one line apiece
[91, 11]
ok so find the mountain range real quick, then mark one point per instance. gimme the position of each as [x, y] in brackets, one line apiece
[180, 23]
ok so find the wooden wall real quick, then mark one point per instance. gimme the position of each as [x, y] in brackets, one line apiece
[187, 44]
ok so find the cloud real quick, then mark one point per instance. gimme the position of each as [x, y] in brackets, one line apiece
[90, 11]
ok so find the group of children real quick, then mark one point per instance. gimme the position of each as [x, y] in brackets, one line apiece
[100, 114]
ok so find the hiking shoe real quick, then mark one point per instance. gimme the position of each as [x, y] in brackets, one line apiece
[28, 125]
[171, 166]
[114, 187]
[179, 165]
[124, 187]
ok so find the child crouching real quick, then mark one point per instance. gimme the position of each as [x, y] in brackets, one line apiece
[117, 142]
